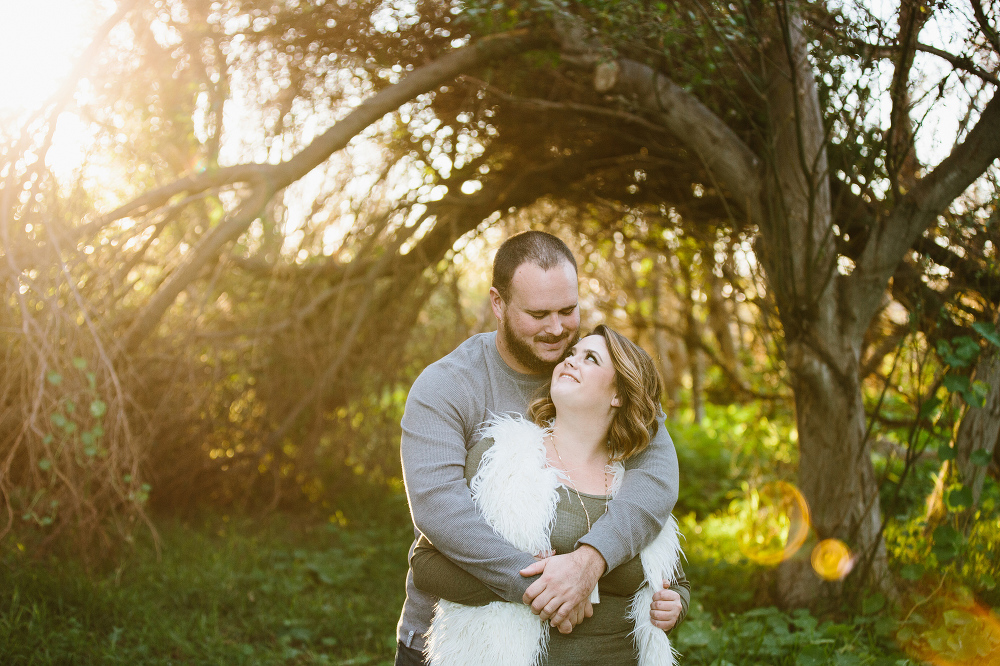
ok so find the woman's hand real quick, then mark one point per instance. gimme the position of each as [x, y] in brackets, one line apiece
[666, 608]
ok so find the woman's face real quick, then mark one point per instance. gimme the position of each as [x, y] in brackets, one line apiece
[586, 377]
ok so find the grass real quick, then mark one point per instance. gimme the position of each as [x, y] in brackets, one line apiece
[227, 590]
[297, 590]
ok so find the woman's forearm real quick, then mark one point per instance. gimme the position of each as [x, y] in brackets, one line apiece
[435, 574]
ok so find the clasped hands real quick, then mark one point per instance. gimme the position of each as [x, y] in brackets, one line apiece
[561, 595]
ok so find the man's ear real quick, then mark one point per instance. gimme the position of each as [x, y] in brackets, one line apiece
[497, 303]
[615, 401]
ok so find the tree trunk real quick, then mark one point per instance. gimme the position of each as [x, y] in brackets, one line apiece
[824, 315]
[980, 429]
[822, 355]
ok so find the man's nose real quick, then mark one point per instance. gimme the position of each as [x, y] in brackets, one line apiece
[554, 324]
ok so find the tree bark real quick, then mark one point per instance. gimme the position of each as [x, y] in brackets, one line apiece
[823, 356]
[980, 429]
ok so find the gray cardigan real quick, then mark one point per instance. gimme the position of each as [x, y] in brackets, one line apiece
[444, 409]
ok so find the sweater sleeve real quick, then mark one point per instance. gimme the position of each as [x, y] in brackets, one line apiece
[433, 452]
[682, 587]
[640, 509]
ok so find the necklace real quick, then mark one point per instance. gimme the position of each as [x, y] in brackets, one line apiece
[595, 595]
[573, 483]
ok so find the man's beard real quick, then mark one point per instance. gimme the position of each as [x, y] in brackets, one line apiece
[526, 356]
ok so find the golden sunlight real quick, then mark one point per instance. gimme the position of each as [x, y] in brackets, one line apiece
[38, 44]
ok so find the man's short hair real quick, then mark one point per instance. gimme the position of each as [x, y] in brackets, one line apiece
[540, 248]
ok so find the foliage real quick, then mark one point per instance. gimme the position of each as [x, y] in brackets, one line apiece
[733, 446]
[227, 589]
[771, 636]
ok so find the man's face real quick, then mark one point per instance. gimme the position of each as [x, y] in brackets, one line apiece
[541, 319]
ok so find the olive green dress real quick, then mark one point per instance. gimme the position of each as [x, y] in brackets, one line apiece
[600, 640]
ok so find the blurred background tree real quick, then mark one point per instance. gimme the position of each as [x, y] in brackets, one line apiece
[285, 210]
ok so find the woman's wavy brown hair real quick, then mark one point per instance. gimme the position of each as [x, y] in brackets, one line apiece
[638, 386]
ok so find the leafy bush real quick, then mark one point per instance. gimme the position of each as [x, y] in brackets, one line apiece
[770, 636]
[732, 445]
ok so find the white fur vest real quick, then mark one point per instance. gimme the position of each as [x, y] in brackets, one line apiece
[517, 493]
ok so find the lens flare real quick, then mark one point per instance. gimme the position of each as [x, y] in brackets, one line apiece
[832, 559]
[960, 633]
[775, 523]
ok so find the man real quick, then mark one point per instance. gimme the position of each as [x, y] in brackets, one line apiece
[534, 297]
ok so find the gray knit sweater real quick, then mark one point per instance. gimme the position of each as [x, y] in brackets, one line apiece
[445, 407]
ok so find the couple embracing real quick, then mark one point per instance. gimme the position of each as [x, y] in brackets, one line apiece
[540, 480]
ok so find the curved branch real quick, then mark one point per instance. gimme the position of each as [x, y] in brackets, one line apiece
[206, 250]
[916, 211]
[731, 162]
[266, 179]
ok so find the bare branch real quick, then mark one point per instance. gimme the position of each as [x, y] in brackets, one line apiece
[918, 209]
[266, 180]
[988, 31]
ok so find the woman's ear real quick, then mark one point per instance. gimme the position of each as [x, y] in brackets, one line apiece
[615, 402]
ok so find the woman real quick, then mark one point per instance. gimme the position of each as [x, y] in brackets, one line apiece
[542, 488]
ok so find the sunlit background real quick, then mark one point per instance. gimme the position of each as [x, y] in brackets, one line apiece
[252, 334]
[40, 42]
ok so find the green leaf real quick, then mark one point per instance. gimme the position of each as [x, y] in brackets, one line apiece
[947, 534]
[945, 552]
[988, 331]
[873, 604]
[98, 408]
[961, 354]
[812, 655]
[912, 571]
[960, 498]
[945, 452]
[87, 438]
[956, 383]
[980, 457]
[947, 541]
[58, 420]
[90, 451]
[44, 464]
[696, 633]
[79, 363]
[54, 378]
[47, 439]
[966, 349]
[929, 406]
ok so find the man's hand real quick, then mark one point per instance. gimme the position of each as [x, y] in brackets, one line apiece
[666, 608]
[563, 591]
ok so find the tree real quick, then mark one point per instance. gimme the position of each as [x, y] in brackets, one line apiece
[752, 118]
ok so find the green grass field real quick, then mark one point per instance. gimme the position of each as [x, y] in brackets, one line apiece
[290, 590]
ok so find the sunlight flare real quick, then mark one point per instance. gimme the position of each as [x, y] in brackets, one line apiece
[775, 523]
